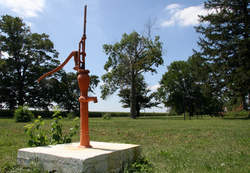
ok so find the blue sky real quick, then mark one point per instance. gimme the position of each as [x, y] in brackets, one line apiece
[107, 20]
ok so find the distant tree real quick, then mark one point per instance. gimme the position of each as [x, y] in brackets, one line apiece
[29, 56]
[132, 56]
[225, 48]
[143, 100]
[178, 83]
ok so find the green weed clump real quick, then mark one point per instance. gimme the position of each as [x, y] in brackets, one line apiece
[38, 136]
[23, 114]
[141, 165]
[106, 116]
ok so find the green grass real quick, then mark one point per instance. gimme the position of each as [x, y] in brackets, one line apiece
[170, 143]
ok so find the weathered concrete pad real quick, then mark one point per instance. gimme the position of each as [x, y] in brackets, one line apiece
[67, 158]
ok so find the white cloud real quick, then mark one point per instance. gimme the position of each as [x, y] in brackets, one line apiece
[25, 8]
[154, 87]
[168, 23]
[172, 6]
[183, 17]
[30, 24]
[101, 83]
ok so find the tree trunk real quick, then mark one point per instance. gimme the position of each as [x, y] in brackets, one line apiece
[20, 89]
[137, 110]
[242, 100]
[132, 96]
[192, 109]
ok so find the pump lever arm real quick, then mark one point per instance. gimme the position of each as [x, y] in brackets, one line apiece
[74, 53]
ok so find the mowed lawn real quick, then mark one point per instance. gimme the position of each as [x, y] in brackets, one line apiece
[170, 143]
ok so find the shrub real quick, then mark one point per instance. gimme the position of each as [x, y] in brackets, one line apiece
[237, 111]
[106, 116]
[22, 114]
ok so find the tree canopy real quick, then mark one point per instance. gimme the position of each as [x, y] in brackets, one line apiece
[225, 47]
[29, 55]
[182, 81]
[133, 55]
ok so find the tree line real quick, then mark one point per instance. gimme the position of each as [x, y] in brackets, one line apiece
[218, 74]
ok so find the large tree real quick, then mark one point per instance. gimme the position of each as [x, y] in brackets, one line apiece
[25, 57]
[144, 99]
[225, 48]
[132, 56]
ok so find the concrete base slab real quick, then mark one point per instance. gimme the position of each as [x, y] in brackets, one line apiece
[67, 158]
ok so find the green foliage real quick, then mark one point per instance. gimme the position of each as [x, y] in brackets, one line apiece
[225, 47]
[23, 114]
[66, 92]
[141, 165]
[95, 114]
[236, 111]
[133, 55]
[233, 114]
[38, 136]
[106, 116]
[45, 114]
[29, 56]
[181, 81]
[70, 116]
[143, 98]
[49, 114]
[7, 113]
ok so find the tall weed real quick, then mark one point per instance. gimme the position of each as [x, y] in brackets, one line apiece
[38, 136]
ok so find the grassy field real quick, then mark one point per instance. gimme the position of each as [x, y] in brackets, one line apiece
[170, 143]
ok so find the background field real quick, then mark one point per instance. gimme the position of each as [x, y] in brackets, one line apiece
[170, 143]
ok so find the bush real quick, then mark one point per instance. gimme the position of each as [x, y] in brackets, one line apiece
[242, 113]
[22, 114]
[106, 116]
[236, 111]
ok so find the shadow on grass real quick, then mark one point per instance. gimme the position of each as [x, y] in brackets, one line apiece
[178, 117]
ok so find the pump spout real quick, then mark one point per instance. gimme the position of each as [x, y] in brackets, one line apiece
[87, 99]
